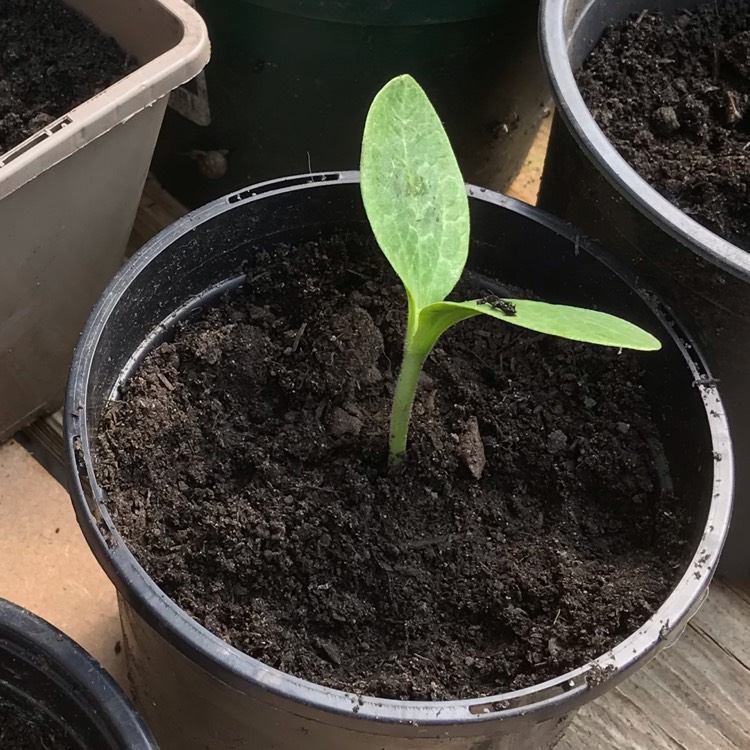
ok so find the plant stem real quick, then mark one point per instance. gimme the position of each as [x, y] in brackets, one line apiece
[403, 400]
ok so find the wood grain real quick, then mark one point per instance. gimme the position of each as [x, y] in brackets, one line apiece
[526, 185]
[693, 696]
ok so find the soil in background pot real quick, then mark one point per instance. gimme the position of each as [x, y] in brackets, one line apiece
[51, 60]
[23, 728]
[245, 466]
[672, 93]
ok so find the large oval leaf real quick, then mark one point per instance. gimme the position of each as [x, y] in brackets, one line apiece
[413, 191]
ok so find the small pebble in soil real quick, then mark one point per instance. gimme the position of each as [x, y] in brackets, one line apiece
[557, 441]
[665, 120]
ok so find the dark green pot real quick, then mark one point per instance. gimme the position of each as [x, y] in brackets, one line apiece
[290, 82]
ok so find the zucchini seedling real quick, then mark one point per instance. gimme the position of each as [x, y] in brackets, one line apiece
[416, 202]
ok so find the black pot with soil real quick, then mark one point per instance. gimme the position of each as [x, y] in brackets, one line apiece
[649, 154]
[557, 521]
[54, 695]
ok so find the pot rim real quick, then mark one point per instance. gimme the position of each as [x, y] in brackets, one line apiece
[605, 157]
[36, 642]
[548, 699]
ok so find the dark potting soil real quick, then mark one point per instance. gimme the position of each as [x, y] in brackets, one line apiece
[23, 728]
[672, 93]
[51, 60]
[528, 532]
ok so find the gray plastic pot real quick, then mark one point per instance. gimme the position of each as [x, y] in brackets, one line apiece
[43, 672]
[290, 81]
[702, 276]
[69, 194]
[195, 690]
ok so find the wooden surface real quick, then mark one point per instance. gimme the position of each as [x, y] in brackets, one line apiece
[526, 186]
[45, 563]
[157, 210]
[694, 696]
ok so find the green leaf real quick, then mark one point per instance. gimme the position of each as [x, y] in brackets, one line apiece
[589, 326]
[413, 192]
[435, 320]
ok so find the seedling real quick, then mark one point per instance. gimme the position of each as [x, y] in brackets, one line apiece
[416, 202]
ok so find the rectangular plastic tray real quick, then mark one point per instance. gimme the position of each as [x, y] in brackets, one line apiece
[68, 198]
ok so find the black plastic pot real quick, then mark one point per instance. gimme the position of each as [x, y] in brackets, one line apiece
[198, 692]
[290, 82]
[43, 672]
[704, 278]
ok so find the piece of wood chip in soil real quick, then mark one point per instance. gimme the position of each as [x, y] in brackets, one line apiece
[471, 448]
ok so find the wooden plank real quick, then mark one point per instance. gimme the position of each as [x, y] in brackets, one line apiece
[46, 564]
[157, 210]
[694, 695]
[742, 589]
[614, 723]
[698, 695]
[526, 186]
[44, 440]
[725, 619]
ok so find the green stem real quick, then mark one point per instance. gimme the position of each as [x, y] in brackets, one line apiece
[403, 400]
[406, 387]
